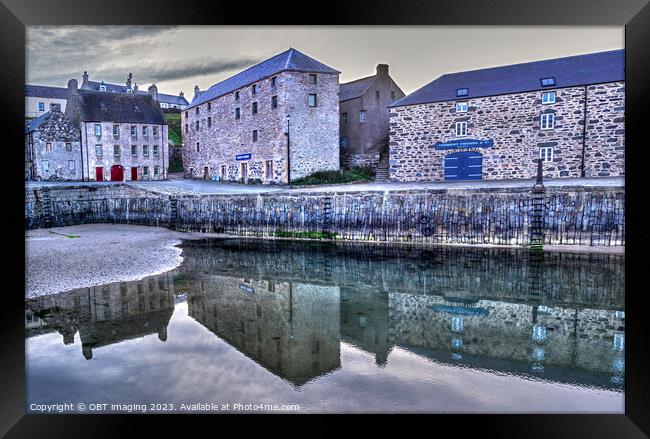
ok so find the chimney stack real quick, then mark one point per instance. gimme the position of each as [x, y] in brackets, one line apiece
[70, 106]
[84, 81]
[181, 94]
[153, 91]
[128, 81]
[382, 69]
[196, 90]
[55, 107]
[135, 89]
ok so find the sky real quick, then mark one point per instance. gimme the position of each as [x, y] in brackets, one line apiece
[176, 58]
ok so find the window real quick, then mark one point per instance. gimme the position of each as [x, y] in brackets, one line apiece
[68, 146]
[362, 116]
[46, 165]
[461, 107]
[99, 151]
[344, 117]
[209, 106]
[547, 82]
[548, 97]
[41, 106]
[312, 79]
[187, 128]
[457, 324]
[155, 131]
[223, 172]
[376, 94]
[392, 94]
[274, 81]
[274, 102]
[268, 170]
[102, 88]
[539, 333]
[343, 142]
[237, 113]
[134, 150]
[547, 121]
[197, 147]
[196, 110]
[145, 170]
[155, 170]
[461, 128]
[134, 132]
[98, 130]
[462, 91]
[236, 95]
[255, 136]
[196, 125]
[145, 132]
[209, 122]
[254, 108]
[48, 147]
[546, 153]
[116, 150]
[71, 165]
[187, 114]
[145, 150]
[254, 89]
[619, 342]
[155, 150]
[312, 100]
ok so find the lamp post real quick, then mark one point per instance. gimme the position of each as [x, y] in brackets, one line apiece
[288, 151]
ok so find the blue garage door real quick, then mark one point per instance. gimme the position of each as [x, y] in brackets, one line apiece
[464, 165]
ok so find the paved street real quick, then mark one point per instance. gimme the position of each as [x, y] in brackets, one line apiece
[177, 186]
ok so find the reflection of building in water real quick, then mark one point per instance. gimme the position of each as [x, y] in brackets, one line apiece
[290, 328]
[106, 314]
[364, 321]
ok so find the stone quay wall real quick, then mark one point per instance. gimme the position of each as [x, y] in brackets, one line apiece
[574, 216]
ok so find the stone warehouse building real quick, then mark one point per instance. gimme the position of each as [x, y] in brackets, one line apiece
[52, 147]
[364, 118]
[123, 135]
[495, 123]
[274, 122]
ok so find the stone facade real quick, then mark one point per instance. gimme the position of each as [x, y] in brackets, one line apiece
[52, 149]
[155, 145]
[513, 123]
[221, 136]
[363, 140]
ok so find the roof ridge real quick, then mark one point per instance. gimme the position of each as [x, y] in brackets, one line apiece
[360, 79]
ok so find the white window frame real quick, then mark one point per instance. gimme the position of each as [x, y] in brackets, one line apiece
[156, 150]
[99, 149]
[102, 88]
[145, 150]
[98, 127]
[362, 116]
[154, 130]
[461, 107]
[72, 166]
[134, 150]
[145, 132]
[46, 165]
[546, 154]
[461, 129]
[156, 171]
[117, 151]
[134, 131]
[145, 171]
[550, 94]
[547, 121]
[41, 104]
[315, 100]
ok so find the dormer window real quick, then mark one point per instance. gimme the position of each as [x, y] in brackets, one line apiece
[462, 91]
[548, 82]
[102, 88]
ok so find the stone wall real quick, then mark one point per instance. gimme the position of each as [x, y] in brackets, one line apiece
[313, 131]
[512, 122]
[362, 160]
[585, 216]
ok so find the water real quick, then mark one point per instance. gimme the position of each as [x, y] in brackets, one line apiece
[312, 327]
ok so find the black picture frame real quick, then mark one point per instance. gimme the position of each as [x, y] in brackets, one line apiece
[634, 14]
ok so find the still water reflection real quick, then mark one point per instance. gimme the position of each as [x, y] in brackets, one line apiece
[343, 328]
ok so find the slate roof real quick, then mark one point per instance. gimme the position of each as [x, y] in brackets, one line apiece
[289, 60]
[99, 106]
[45, 91]
[116, 88]
[356, 88]
[591, 68]
[33, 124]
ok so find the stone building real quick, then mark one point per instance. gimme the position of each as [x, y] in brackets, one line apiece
[39, 97]
[364, 118]
[123, 135]
[52, 147]
[495, 123]
[273, 122]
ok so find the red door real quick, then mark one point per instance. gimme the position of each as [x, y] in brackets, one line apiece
[99, 173]
[134, 173]
[117, 173]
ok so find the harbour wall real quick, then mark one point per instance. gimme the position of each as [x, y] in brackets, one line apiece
[499, 216]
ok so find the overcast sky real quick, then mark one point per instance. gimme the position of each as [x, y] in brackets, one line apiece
[177, 58]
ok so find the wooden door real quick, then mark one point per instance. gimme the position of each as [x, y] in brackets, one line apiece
[99, 173]
[134, 173]
[117, 173]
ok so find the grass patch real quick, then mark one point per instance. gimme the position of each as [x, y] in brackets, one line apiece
[308, 235]
[334, 177]
[174, 128]
[63, 234]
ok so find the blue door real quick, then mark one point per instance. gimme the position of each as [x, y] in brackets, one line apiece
[464, 165]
